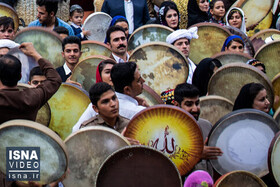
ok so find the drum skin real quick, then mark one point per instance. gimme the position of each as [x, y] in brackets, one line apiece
[85, 71]
[171, 130]
[88, 148]
[47, 43]
[276, 89]
[67, 105]
[138, 166]
[90, 48]
[6, 10]
[269, 55]
[273, 158]
[276, 115]
[148, 33]
[213, 107]
[97, 23]
[264, 24]
[244, 137]
[25, 133]
[227, 57]
[250, 7]
[211, 39]
[150, 96]
[258, 39]
[239, 178]
[162, 66]
[228, 80]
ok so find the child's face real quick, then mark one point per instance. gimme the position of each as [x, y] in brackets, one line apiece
[77, 18]
[219, 10]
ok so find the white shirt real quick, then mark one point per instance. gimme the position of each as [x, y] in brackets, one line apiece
[66, 69]
[128, 107]
[192, 67]
[120, 60]
[129, 13]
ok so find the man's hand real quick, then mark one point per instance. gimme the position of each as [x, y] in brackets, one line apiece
[28, 49]
[211, 152]
[130, 140]
[142, 101]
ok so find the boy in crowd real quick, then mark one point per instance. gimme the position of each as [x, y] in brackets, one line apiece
[36, 77]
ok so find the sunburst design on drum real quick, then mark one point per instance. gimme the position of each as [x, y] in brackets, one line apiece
[269, 54]
[85, 71]
[161, 65]
[170, 130]
[67, 105]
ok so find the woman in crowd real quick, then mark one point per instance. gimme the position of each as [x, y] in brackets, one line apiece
[169, 15]
[198, 11]
[252, 95]
[217, 10]
[235, 18]
[203, 72]
[233, 43]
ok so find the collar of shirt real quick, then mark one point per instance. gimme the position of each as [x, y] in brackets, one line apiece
[120, 60]
[126, 97]
[66, 69]
[76, 26]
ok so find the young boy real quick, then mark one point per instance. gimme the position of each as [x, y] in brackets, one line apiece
[36, 77]
[76, 17]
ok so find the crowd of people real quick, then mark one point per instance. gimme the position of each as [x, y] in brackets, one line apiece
[115, 95]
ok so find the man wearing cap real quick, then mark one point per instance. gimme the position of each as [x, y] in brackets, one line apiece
[46, 16]
[181, 40]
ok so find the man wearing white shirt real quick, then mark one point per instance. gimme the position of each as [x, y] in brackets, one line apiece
[117, 42]
[128, 84]
[181, 40]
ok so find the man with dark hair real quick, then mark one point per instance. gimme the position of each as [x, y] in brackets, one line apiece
[36, 77]
[7, 28]
[46, 16]
[71, 51]
[105, 103]
[186, 96]
[24, 104]
[117, 42]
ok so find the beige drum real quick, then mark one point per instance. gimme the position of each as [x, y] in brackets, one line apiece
[25, 133]
[258, 39]
[269, 55]
[229, 79]
[227, 57]
[67, 105]
[273, 158]
[90, 48]
[211, 39]
[85, 71]
[162, 65]
[213, 107]
[97, 23]
[170, 130]
[88, 148]
[47, 43]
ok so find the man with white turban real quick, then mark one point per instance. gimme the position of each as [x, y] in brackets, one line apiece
[181, 40]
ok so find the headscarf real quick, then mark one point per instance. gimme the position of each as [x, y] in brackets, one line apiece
[243, 25]
[203, 73]
[99, 71]
[195, 15]
[164, 7]
[168, 97]
[256, 63]
[246, 96]
[182, 33]
[229, 39]
[199, 178]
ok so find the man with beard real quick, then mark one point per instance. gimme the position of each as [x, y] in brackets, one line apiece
[186, 96]
[117, 42]
[46, 16]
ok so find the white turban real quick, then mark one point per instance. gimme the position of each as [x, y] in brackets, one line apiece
[8, 43]
[182, 33]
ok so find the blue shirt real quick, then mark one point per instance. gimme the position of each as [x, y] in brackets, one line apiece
[58, 22]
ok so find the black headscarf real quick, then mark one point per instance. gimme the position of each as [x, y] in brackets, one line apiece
[195, 15]
[246, 96]
[164, 7]
[203, 73]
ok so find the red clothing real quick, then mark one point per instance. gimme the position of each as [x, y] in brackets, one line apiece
[24, 104]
